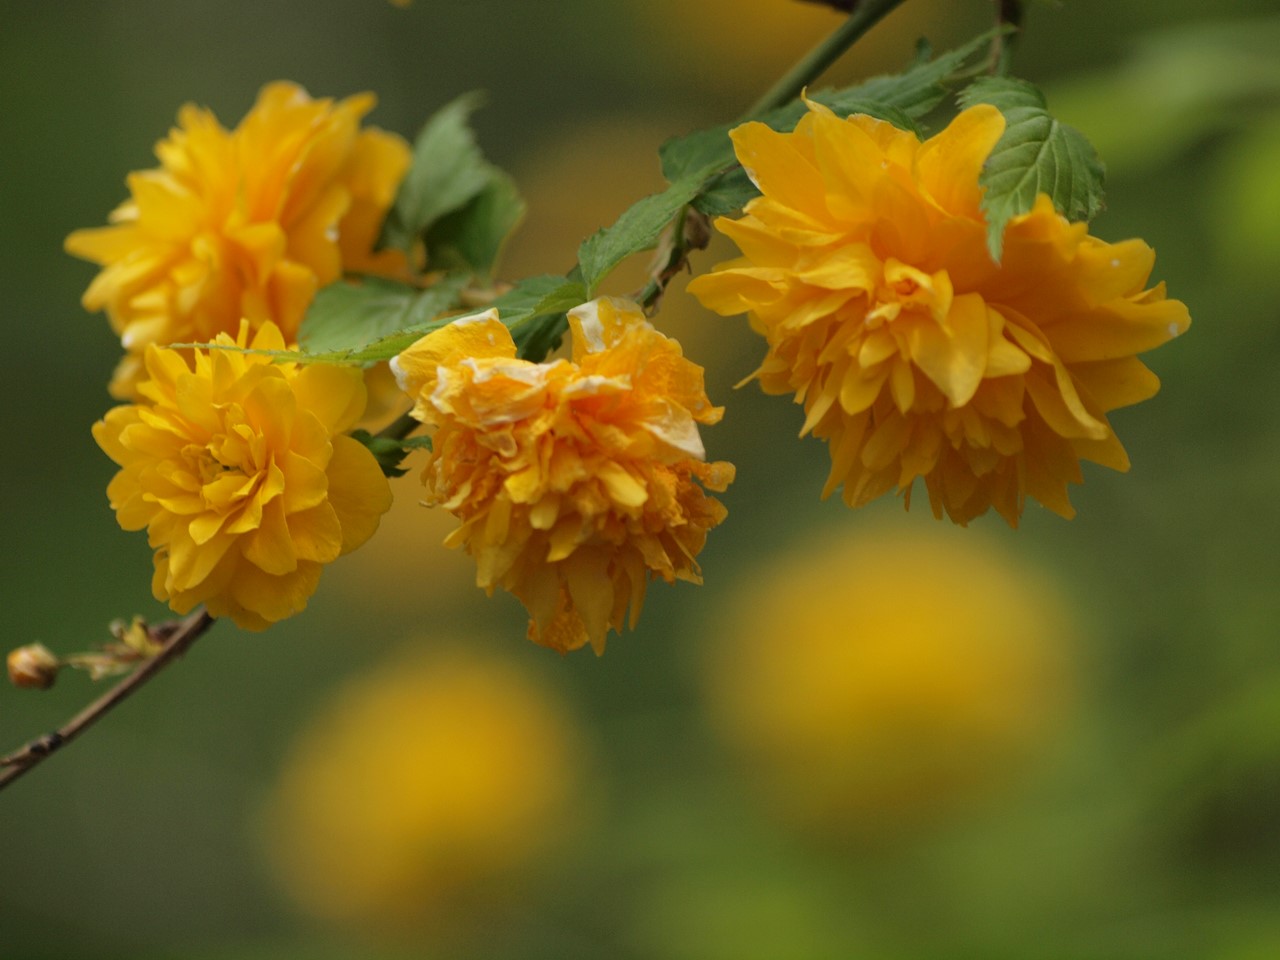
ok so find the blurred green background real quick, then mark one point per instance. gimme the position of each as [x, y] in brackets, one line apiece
[1085, 764]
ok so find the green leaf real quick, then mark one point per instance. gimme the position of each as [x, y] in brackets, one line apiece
[381, 349]
[447, 171]
[1036, 154]
[534, 312]
[473, 236]
[726, 194]
[638, 228]
[533, 309]
[348, 315]
[546, 293]
[390, 452]
[923, 85]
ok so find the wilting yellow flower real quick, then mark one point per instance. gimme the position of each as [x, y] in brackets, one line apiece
[424, 788]
[915, 355]
[243, 224]
[874, 681]
[239, 471]
[575, 481]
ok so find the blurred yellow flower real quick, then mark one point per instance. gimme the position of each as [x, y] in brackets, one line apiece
[239, 470]
[421, 789]
[575, 481]
[876, 681]
[243, 224]
[866, 269]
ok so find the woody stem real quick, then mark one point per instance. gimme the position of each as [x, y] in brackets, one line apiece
[177, 639]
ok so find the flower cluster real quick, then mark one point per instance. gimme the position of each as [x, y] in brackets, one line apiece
[243, 224]
[239, 470]
[577, 480]
[915, 354]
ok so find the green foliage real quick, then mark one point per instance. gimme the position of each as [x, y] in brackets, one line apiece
[376, 351]
[390, 452]
[704, 162]
[899, 98]
[534, 296]
[534, 311]
[473, 236]
[524, 308]
[639, 226]
[1037, 154]
[447, 172]
[727, 193]
[348, 315]
[462, 209]
[453, 203]
[922, 86]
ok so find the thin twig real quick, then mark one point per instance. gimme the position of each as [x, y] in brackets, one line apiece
[1009, 20]
[863, 17]
[177, 638]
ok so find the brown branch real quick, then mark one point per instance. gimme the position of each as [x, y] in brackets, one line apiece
[1009, 15]
[176, 636]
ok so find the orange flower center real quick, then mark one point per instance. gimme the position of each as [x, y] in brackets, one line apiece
[903, 288]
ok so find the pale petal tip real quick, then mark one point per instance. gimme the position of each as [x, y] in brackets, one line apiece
[483, 316]
[588, 317]
[402, 378]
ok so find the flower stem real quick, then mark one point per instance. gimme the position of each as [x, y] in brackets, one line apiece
[1008, 24]
[813, 64]
[176, 638]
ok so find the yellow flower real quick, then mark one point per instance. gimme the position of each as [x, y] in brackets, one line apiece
[239, 471]
[243, 224]
[866, 269]
[873, 682]
[432, 785]
[575, 481]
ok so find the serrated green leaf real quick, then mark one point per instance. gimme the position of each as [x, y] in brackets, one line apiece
[473, 236]
[381, 349]
[638, 228]
[1035, 155]
[534, 310]
[547, 293]
[349, 315]
[447, 171]
[726, 194]
[923, 85]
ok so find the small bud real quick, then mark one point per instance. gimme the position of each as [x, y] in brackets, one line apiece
[33, 666]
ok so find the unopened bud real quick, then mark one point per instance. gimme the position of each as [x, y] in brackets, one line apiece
[33, 666]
